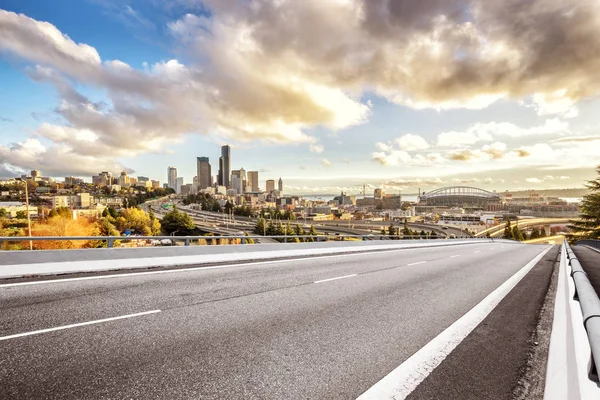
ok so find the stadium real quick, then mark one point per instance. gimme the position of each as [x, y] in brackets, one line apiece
[459, 196]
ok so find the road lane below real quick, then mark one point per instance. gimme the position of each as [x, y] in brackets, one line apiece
[256, 331]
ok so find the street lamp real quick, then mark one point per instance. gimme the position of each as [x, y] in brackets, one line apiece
[27, 208]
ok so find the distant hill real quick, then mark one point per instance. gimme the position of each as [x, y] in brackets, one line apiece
[579, 192]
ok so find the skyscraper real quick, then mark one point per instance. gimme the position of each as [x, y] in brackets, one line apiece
[172, 178]
[204, 174]
[253, 181]
[223, 177]
[280, 185]
[178, 184]
[270, 186]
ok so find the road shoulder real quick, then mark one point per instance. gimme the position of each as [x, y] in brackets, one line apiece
[495, 360]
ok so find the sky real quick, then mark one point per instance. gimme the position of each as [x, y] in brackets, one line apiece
[329, 95]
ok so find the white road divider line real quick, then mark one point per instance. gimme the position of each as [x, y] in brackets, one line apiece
[456, 255]
[417, 263]
[335, 279]
[399, 383]
[58, 328]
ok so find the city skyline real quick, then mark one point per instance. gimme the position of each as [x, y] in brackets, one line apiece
[154, 88]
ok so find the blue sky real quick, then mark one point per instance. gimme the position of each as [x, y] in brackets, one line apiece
[324, 95]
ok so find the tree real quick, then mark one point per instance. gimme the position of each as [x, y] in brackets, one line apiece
[3, 213]
[535, 233]
[391, 230]
[299, 232]
[21, 215]
[508, 231]
[588, 225]
[113, 212]
[176, 221]
[260, 227]
[517, 234]
[406, 230]
[383, 232]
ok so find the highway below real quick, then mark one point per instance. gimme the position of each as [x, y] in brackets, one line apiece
[325, 327]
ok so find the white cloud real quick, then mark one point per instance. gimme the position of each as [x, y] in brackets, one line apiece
[483, 132]
[254, 72]
[534, 180]
[316, 148]
[326, 163]
[410, 142]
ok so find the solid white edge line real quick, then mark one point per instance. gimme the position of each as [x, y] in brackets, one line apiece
[456, 255]
[58, 328]
[336, 278]
[170, 271]
[399, 383]
[417, 263]
[592, 248]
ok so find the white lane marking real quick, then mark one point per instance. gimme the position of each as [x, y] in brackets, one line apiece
[456, 255]
[417, 263]
[249, 263]
[335, 279]
[592, 248]
[399, 383]
[58, 328]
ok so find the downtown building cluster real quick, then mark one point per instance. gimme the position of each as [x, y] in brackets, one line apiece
[227, 182]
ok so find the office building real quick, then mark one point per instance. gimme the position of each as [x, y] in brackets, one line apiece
[270, 186]
[178, 184]
[35, 174]
[203, 173]
[123, 180]
[143, 179]
[172, 178]
[253, 181]
[103, 179]
[223, 177]
[378, 193]
[280, 185]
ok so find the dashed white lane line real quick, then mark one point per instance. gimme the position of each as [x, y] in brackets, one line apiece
[456, 255]
[417, 263]
[336, 278]
[58, 328]
[400, 382]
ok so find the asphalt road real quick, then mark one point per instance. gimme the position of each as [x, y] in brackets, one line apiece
[273, 330]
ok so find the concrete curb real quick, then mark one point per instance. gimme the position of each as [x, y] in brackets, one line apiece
[218, 254]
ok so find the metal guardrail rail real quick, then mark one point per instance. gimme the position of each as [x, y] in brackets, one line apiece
[590, 309]
[187, 240]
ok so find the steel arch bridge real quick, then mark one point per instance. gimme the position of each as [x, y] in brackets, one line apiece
[459, 196]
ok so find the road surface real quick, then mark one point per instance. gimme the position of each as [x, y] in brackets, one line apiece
[316, 328]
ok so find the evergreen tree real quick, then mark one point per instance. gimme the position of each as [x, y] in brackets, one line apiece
[588, 224]
[260, 227]
[517, 234]
[391, 229]
[508, 231]
[535, 233]
[299, 232]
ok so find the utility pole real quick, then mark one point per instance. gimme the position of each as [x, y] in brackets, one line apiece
[28, 216]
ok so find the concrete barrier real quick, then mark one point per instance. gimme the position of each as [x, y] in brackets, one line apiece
[51, 262]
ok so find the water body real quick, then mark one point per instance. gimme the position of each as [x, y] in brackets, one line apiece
[328, 197]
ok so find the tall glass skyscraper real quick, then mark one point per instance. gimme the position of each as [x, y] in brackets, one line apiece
[204, 174]
[224, 176]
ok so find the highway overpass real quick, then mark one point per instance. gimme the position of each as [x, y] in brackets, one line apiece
[368, 320]
[498, 230]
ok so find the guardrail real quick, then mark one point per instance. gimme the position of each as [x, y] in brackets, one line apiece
[187, 240]
[590, 309]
